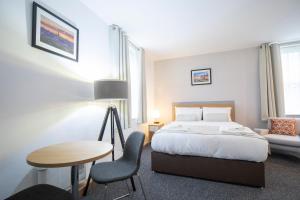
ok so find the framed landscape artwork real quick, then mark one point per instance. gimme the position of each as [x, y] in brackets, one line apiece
[201, 76]
[53, 34]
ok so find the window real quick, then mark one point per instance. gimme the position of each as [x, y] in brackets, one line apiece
[290, 58]
[135, 64]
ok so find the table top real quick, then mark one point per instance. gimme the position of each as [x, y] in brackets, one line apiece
[69, 154]
[156, 124]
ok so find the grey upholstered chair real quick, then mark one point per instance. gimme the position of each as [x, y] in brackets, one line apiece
[124, 168]
[42, 191]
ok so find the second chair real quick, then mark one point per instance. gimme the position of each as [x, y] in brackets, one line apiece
[124, 168]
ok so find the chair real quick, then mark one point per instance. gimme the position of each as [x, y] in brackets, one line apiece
[283, 144]
[42, 191]
[124, 168]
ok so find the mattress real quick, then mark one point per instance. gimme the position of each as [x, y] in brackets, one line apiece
[226, 140]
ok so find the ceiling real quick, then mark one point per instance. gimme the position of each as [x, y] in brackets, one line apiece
[177, 28]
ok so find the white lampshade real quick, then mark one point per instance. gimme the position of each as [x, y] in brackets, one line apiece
[155, 114]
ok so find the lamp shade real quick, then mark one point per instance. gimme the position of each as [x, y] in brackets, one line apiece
[111, 89]
[155, 114]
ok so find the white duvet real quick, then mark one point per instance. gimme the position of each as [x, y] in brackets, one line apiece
[227, 140]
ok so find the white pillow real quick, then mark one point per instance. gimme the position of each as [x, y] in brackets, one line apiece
[216, 117]
[216, 114]
[186, 117]
[196, 111]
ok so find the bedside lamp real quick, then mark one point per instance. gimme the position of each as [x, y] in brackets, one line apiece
[156, 115]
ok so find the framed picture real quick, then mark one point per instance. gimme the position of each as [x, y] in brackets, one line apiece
[53, 34]
[201, 76]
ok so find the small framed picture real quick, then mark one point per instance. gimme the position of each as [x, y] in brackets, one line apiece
[201, 76]
[53, 34]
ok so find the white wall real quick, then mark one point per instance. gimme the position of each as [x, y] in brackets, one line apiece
[45, 98]
[234, 77]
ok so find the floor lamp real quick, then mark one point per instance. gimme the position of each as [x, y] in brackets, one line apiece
[111, 90]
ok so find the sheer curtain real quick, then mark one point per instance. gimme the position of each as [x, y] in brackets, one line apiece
[135, 74]
[137, 77]
[290, 56]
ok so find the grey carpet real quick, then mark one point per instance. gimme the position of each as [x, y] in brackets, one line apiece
[282, 183]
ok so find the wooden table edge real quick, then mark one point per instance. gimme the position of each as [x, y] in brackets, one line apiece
[55, 165]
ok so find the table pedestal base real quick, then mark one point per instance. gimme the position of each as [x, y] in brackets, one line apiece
[74, 182]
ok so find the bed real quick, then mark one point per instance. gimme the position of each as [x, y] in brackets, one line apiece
[213, 150]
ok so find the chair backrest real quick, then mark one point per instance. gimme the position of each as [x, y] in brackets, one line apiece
[133, 147]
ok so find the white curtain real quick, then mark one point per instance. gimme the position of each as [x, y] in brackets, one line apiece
[120, 68]
[138, 89]
[271, 83]
[290, 55]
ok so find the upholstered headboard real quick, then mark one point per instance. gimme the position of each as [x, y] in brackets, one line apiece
[205, 104]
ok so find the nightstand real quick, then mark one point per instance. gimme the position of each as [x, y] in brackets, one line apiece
[152, 128]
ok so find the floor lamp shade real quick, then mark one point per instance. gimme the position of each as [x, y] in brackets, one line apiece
[111, 89]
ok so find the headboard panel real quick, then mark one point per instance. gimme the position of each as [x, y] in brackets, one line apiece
[205, 104]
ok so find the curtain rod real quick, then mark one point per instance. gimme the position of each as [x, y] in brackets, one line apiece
[286, 44]
[115, 26]
[135, 46]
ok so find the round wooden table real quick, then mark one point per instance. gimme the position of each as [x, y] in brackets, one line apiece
[69, 154]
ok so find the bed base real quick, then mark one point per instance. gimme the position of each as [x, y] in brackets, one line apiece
[229, 171]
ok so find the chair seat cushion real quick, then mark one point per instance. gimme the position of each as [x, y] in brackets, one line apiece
[108, 172]
[42, 192]
[287, 140]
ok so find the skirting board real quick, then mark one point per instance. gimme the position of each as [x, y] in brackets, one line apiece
[223, 170]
